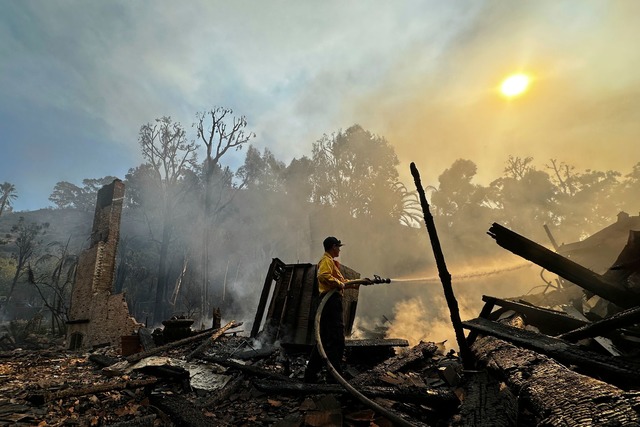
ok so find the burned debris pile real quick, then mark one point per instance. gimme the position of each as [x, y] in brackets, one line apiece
[570, 354]
[217, 377]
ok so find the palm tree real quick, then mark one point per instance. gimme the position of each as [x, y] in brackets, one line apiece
[7, 195]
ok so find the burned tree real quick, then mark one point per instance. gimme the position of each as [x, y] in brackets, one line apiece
[224, 132]
[164, 183]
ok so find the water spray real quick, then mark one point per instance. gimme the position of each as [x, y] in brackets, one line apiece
[464, 276]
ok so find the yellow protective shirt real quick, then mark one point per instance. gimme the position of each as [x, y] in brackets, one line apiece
[329, 275]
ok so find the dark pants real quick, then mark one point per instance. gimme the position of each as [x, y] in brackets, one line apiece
[332, 336]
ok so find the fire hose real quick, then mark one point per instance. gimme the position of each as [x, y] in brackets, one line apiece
[397, 420]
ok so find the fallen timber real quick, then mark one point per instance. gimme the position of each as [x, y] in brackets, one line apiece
[251, 369]
[618, 371]
[549, 321]
[605, 326]
[181, 410]
[569, 270]
[553, 394]
[219, 332]
[175, 344]
[396, 363]
[40, 398]
[443, 399]
[487, 402]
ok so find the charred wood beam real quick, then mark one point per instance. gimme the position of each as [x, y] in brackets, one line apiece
[550, 394]
[563, 267]
[445, 400]
[40, 398]
[103, 360]
[175, 344]
[604, 326]
[484, 313]
[145, 421]
[217, 334]
[250, 369]
[487, 402]
[139, 356]
[617, 371]
[224, 393]
[175, 374]
[181, 411]
[264, 297]
[549, 321]
[396, 363]
[255, 354]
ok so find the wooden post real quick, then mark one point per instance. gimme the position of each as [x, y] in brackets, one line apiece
[445, 277]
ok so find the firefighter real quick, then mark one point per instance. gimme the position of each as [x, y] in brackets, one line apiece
[331, 322]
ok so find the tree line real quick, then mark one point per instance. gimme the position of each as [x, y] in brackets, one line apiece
[198, 234]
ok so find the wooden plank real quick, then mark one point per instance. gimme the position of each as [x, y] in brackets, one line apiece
[604, 342]
[278, 300]
[484, 313]
[307, 311]
[550, 322]
[289, 322]
[264, 296]
[603, 327]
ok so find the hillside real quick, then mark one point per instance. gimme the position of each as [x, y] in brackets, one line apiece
[64, 224]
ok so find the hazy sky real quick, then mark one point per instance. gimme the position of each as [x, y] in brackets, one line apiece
[78, 79]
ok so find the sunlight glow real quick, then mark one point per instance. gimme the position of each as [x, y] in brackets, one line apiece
[514, 85]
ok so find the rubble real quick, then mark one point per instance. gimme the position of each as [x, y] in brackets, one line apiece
[573, 362]
[58, 386]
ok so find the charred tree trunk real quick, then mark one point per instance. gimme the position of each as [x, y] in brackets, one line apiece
[487, 403]
[553, 395]
[159, 312]
[415, 354]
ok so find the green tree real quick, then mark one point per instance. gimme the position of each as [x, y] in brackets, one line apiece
[629, 190]
[456, 194]
[526, 202]
[7, 196]
[66, 195]
[587, 201]
[297, 179]
[462, 207]
[262, 172]
[355, 171]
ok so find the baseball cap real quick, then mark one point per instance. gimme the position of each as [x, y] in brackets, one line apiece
[331, 241]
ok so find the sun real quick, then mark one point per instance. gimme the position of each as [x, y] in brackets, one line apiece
[514, 85]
